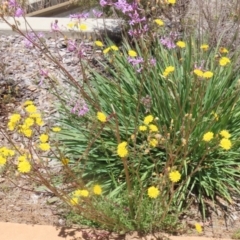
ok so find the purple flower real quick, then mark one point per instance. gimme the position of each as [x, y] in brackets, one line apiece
[104, 3]
[138, 32]
[71, 46]
[168, 42]
[123, 6]
[78, 16]
[12, 3]
[43, 74]
[153, 61]
[96, 13]
[54, 26]
[80, 108]
[19, 12]
[135, 18]
[135, 61]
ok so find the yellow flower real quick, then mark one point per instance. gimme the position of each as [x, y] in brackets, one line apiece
[28, 122]
[44, 146]
[198, 227]
[106, 50]
[142, 128]
[153, 128]
[97, 189]
[132, 53]
[225, 144]
[168, 70]
[43, 138]
[56, 129]
[148, 119]
[3, 160]
[175, 176]
[25, 130]
[5, 152]
[22, 158]
[28, 102]
[65, 161]
[171, 1]
[101, 117]
[99, 43]
[74, 201]
[208, 74]
[122, 149]
[81, 193]
[82, 27]
[198, 72]
[153, 142]
[114, 48]
[159, 22]
[71, 25]
[11, 126]
[35, 115]
[223, 50]
[208, 136]
[24, 166]
[225, 134]
[14, 118]
[224, 61]
[181, 44]
[31, 108]
[153, 192]
[204, 47]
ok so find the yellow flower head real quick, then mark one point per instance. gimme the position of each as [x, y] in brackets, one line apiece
[71, 25]
[65, 161]
[142, 128]
[28, 122]
[159, 22]
[3, 160]
[171, 1]
[35, 115]
[153, 142]
[56, 129]
[208, 74]
[101, 117]
[27, 132]
[28, 102]
[175, 176]
[168, 70]
[122, 149]
[97, 189]
[225, 134]
[14, 118]
[223, 50]
[181, 44]
[225, 144]
[106, 50]
[74, 201]
[153, 128]
[198, 227]
[153, 192]
[5, 152]
[224, 61]
[204, 47]
[99, 43]
[207, 137]
[11, 126]
[114, 48]
[82, 27]
[43, 138]
[198, 72]
[22, 158]
[132, 53]
[148, 119]
[24, 167]
[81, 193]
[44, 146]
[31, 108]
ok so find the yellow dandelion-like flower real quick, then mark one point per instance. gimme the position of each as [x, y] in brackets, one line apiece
[28, 122]
[208, 74]
[97, 189]
[44, 146]
[27, 132]
[81, 193]
[204, 47]
[101, 117]
[24, 167]
[74, 201]
[43, 138]
[11, 126]
[159, 22]
[225, 134]
[122, 149]
[28, 102]
[223, 50]
[171, 1]
[114, 48]
[198, 72]
[181, 44]
[207, 137]
[153, 142]
[153, 128]
[5, 152]
[106, 50]
[35, 115]
[99, 43]
[142, 128]
[14, 118]
[175, 176]
[148, 119]
[22, 158]
[168, 70]
[153, 192]
[198, 227]
[224, 61]
[132, 53]
[39, 121]
[56, 129]
[225, 144]
[31, 108]
[3, 160]
[65, 161]
[82, 27]
[71, 25]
